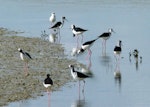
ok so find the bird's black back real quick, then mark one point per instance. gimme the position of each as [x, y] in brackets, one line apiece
[79, 29]
[27, 54]
[56, 25]
[81, 75]
[89, 42]
[48, 80]
[106, 34]
[117, 48]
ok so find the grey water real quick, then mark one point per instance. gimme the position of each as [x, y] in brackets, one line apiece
[130, 21]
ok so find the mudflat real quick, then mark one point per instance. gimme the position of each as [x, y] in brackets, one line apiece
[47, 58]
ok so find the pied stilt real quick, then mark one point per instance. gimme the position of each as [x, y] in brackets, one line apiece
[86, 46]
[105, 36]
[26, 58]
[59, 24]
[77, 31]
[78, 76]
[48, 82]
[52, 18]
[117, 50]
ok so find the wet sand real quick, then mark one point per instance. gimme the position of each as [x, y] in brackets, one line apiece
[47, 58]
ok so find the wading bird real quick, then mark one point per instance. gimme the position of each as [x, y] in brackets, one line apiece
[105, 36]
[26, 58]
[77, 31]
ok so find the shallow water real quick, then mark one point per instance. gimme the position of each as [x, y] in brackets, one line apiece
[129, 19]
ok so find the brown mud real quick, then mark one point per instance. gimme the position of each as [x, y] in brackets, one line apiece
[47, 58]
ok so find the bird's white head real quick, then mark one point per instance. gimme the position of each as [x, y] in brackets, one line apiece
[72, 26]
[19, 49]
[111, 30]
[70, 66]
[53, 13]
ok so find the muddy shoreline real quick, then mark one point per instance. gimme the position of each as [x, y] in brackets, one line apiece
[47, 58]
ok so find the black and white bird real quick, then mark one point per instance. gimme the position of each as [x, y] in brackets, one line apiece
[59, 24]
[77, 31]
[52, 18]
[105, 36]
[48, 82]
[26, 58]
[76, 74]
[135, 53]
[86, 46]
[117, 50]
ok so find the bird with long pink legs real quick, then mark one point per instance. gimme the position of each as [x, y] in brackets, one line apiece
[48, 82]
[78, 76]
[86, 46]
[26, 57]
[105, 36]
[76, 32]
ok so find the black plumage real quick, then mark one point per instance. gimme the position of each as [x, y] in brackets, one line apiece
[106, 34]
[48, 80]
[58, 24]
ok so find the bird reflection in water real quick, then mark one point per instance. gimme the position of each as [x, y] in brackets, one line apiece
[117, 76]
[53, 38]
[106, 61]
[79, 103]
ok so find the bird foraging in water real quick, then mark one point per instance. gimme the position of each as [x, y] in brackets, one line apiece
[48, 82]
[26, 58]
[86, 46]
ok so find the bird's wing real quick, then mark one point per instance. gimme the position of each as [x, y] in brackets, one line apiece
[106, 34]
[56, 25]
[28, 55]
[79, 29]
[79, 74]
[89, 42]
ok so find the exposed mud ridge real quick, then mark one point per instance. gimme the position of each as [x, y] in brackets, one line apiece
[47, 58]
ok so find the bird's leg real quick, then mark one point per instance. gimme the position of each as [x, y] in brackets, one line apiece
[79, 89]
[59, 35]
[115, 58]
[77, 42]
[90, 53]
[26, 68]
[49, 99]
[48, 92]
[83, 86]
[82, 39]
[104, 46]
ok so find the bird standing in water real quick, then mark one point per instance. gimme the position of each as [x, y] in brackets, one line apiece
[77, 31]
[117, 50]
[86, 46]
[78, 76]
[105, 36]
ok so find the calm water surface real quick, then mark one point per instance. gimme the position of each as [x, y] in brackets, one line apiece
[129, 19]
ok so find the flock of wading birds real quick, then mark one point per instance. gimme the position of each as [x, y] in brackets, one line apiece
[56, 26]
